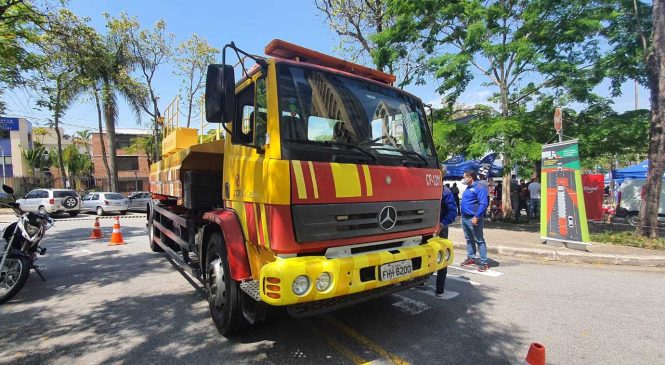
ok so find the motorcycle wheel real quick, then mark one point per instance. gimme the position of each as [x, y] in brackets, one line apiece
[13, 276]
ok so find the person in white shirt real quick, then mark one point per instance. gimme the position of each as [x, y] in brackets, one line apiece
[534, 198]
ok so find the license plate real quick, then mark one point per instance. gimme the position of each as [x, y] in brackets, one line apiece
[395, 270]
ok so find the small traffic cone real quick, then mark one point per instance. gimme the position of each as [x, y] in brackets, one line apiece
[536, 354]
[116, 236]
[96, 230]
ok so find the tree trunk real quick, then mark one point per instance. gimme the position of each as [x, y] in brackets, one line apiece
[56, 121]
[109, 116]
[506, 203]
[656, 71]
[101, 136]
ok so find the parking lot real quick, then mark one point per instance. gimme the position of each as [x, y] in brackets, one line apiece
[125, 304]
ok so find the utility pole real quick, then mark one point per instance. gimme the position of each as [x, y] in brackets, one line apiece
[4, 175]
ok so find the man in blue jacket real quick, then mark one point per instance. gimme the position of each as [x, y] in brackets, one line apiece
[446, 217]
[473, 206]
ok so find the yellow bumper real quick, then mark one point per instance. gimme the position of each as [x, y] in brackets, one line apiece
[277, 277]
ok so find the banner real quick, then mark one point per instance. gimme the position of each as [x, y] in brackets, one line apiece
[593, 195]
[562, 210]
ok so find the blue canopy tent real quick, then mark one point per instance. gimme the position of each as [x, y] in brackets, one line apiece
[638, 171]
[456, 166]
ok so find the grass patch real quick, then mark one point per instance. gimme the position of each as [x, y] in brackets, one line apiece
[629, 239]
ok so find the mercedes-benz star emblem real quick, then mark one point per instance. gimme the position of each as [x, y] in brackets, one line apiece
[387, 218]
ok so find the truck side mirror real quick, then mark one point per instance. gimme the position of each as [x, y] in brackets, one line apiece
[220, 93]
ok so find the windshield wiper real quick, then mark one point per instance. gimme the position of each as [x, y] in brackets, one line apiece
[415, 154]
[333, 143]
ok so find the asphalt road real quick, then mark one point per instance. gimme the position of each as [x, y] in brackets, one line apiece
[125, 304]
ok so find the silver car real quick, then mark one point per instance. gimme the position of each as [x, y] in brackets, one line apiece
[105, 202]
[51, 201]
[139, 201]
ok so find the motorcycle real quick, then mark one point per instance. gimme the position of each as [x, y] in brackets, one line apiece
[20, 252]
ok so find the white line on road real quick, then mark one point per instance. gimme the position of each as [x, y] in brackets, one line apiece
[410, 306]
[491, 273]
[463, 279]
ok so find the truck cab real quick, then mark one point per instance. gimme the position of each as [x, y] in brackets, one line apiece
[323, 191]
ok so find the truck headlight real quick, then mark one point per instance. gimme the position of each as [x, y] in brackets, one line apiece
[448, 253]
[323, 281]
[300, 285]
[439, 257]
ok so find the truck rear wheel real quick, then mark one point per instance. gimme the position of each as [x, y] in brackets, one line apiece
[224, 295]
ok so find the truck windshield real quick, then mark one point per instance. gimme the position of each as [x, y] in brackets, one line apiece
[328, 111]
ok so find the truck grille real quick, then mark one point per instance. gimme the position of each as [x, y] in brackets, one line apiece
[323, 222]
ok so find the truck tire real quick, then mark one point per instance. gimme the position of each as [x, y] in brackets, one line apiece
[633, 219]
[224, 294]
[151, 233]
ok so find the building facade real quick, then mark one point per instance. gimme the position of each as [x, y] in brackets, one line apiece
[133, 167]
[15, 135]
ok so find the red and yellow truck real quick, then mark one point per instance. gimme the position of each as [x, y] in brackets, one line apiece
[322, 190]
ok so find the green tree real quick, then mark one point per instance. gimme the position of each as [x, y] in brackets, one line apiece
[636, 35]
[356, 22]
[193, 57]
[83, 138]
[61, 81]
[520, 48]
[148, 48]
[20, 23]
[143, 145]
[37, 158]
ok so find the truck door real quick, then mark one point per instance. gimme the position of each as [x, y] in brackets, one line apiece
[244, 183]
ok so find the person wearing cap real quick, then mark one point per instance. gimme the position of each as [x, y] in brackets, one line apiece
[447, 216]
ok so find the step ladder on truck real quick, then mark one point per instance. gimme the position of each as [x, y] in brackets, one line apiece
[322, 189]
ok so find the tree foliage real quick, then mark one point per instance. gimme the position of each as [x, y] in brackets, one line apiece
[192, 60]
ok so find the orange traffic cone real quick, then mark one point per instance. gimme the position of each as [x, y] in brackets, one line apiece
[116, 236]
[536, 354]
[96, 230]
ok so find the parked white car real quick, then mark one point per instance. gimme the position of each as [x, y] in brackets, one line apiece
[105, 202]
[51, 201]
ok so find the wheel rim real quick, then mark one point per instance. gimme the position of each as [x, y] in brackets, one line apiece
[633, 220]
[10, 275]
[217, 286]
[42, 210]
[100, 211]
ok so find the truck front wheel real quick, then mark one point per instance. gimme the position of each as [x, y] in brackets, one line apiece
[223, 292]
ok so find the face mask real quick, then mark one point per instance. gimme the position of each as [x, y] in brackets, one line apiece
[465, 182]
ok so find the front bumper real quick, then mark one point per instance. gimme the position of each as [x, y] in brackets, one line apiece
[352, 274]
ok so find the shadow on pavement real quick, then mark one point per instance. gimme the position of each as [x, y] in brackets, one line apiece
[140, 326]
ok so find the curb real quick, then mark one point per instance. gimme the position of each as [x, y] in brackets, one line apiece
[573, 257]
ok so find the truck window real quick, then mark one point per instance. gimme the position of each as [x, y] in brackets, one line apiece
[245, 113]
[260, 112]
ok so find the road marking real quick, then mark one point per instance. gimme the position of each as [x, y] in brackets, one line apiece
[86, 251]
[463, 279]
[338, 346]
[410, 306]
[490, 273]
[365, 341]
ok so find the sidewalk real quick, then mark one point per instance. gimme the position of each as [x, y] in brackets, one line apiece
[524, 240]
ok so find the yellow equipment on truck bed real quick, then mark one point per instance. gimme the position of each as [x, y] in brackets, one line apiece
[324, 190]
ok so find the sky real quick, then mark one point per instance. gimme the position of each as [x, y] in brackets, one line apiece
[251, 25]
